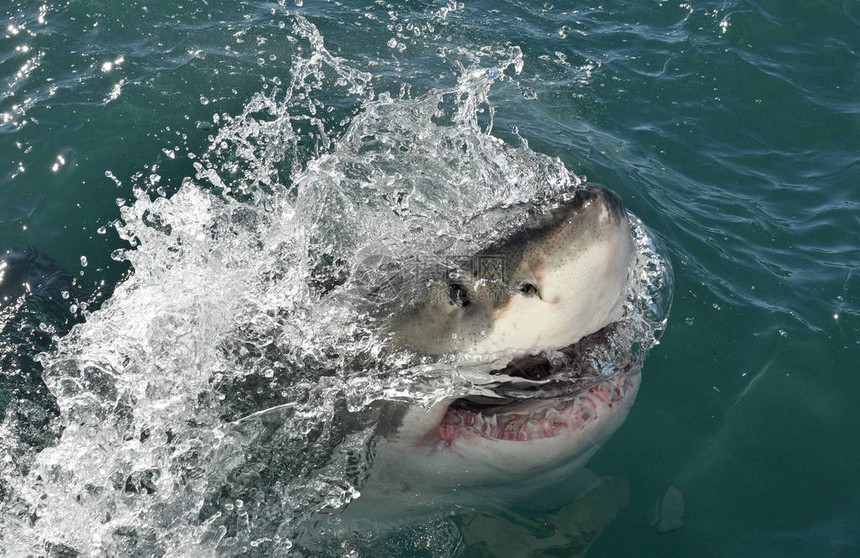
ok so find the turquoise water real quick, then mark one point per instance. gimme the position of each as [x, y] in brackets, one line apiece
[730, 128]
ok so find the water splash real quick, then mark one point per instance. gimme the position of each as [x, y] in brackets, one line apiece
[243, 298]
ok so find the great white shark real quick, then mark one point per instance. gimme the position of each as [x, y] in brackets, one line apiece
[551, 291]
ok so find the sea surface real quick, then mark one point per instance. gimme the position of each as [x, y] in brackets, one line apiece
[172, 174]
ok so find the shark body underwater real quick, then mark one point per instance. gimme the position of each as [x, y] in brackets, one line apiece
[556, 290]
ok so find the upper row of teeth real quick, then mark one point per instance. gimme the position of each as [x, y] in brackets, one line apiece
[544, 423]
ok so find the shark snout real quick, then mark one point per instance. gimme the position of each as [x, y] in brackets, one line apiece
[611, 201]
[598, 200]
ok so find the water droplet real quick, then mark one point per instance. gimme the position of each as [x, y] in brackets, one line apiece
[83, 261]
[58, 164]
[392, 42]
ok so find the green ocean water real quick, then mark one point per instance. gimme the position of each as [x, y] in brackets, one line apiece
[731, 128]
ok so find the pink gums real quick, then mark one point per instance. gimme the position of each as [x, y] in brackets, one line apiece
[542, 419]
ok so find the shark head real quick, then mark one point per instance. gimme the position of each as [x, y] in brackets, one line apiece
[533, 304]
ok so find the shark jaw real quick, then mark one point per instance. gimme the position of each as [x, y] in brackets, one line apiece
[523, 421]
[480, 444]
[554, 401]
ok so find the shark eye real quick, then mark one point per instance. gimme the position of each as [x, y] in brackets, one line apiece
[458, 295]
[528, 289]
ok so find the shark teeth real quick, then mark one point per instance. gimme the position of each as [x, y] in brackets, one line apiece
[532, 420]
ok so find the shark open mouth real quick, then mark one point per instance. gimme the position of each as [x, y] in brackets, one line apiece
[542, 396]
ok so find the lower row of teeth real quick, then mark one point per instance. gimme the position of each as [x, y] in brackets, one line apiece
[570, 415]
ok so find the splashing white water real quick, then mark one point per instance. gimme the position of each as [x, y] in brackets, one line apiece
[235, 306]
